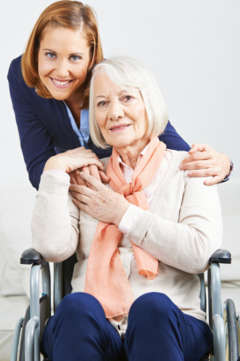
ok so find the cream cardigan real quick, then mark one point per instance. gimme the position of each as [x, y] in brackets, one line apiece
[181, 229]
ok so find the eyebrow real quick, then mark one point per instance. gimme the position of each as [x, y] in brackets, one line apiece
[122, 91]
[72, 52]
[101, 96]
[54, 51]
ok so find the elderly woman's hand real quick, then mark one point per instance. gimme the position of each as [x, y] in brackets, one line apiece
[90, 169]
[98, 200]
[204, 161]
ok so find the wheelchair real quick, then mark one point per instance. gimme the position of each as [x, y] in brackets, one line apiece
[27, 337]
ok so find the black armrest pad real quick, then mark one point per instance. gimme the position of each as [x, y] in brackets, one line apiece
[221, 256]
[31, 256]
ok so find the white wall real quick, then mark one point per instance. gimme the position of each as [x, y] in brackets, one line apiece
[192, 47]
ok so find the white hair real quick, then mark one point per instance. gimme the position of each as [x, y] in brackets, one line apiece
[128, 72]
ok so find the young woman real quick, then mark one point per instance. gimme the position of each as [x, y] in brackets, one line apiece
[141, 241]
[49, 91]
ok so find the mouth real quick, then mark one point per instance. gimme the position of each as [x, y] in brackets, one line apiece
[61, 84]
[120, 127]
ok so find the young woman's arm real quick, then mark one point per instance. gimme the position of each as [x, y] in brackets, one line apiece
[36, 142]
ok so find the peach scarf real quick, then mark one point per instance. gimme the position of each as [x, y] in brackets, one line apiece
[105, 276]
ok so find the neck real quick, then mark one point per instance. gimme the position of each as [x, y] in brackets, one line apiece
[75, 105]
[75, 101]
[130, 154]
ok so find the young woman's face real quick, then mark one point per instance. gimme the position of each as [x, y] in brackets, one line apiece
[63, 61]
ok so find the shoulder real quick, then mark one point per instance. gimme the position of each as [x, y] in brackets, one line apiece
[15, 68]
[16, 81]
[192, 184]
[175, 157]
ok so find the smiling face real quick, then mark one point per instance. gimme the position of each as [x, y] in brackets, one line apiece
[120, 113]
[63, 61]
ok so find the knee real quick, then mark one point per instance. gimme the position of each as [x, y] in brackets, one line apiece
[153, 305]
[79, 304]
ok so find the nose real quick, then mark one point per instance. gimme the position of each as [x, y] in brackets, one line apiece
[115, 110]
[62, 68]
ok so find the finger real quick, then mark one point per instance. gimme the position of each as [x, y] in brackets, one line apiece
[92, 161]
[206, 155]
[104, 177]
[194, 148]
[212, 181]
[92, 181]
[95, 161]
[94, 171]
[198, 148]
[211, 172]
[82, 198]
[78, 203]
[73, 178]
[195, 157]
[195, 165]
[79, 179]
[77, 191]
[84, 170]
[202, 155]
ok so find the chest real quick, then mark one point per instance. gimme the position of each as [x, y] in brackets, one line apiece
[165, 203]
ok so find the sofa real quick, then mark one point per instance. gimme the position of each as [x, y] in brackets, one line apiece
[15, 236]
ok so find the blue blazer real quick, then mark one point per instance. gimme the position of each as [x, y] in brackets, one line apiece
[44, 126]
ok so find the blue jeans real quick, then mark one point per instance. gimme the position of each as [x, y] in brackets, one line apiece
[157, 330]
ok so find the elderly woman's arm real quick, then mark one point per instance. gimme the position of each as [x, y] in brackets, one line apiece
[55, 231]
[186, 243]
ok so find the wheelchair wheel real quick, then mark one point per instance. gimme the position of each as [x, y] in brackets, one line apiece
[231, 326]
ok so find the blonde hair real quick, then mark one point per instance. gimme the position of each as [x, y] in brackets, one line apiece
[68, 14]
[125, 71]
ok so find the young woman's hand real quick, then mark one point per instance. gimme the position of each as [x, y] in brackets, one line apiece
[98, 200]
[74, 159]
[204, 161]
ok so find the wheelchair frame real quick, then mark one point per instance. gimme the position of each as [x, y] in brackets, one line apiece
[29, 330]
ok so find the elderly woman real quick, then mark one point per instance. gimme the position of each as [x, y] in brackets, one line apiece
[140, 241]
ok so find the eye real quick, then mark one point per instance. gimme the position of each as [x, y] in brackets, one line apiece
[50, 54]
[75, 58]
[101, 103]
[127, 98]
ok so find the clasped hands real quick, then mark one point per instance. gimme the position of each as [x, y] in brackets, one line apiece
[97, 199]
[101, 202]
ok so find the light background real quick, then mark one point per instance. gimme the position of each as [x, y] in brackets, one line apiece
[192, 47]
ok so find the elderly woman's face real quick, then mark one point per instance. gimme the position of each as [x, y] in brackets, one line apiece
[120, 112]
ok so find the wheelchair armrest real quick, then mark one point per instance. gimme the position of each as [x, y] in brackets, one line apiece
[221, 256]
[31, 256]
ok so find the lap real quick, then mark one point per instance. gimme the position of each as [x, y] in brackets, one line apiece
[153, 318]
[175, 329]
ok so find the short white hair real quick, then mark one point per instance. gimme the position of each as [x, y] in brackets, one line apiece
[128, 72]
